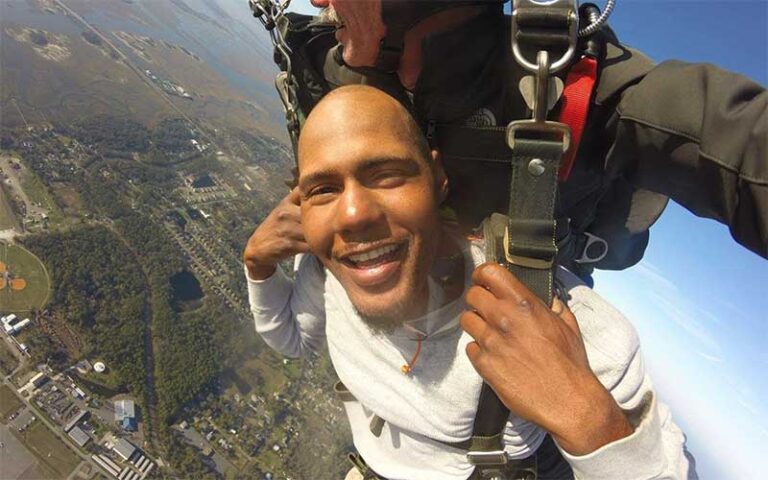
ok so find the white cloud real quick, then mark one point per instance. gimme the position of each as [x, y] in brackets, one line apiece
[653, 274]
[711, 358]
[684, 314]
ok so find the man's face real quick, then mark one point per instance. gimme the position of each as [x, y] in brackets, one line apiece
[360, 28]
[369, 210]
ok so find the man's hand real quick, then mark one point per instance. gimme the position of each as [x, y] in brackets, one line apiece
[534, 359]
[279, 236]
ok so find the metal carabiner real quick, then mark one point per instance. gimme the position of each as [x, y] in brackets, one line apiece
[539, 122]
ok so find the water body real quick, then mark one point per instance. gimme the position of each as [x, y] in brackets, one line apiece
[186, 292]
[203, 181]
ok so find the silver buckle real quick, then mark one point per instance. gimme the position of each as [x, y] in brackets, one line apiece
[498, 457]
[591, 240]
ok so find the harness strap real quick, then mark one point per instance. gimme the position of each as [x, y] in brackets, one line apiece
[488, 144]
[480, 144]
[577, 95]
[529, 242]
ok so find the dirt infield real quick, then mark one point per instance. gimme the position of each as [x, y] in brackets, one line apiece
[27, 278]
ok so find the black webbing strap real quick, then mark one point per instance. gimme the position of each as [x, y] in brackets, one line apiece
[524, 241]
[530, 240]
[543, 27]
[482, 144]
[531, 248]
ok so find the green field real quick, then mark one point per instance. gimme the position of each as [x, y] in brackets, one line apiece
[37, 193]
[52, 453]
[7, 219]
[9, 403]
[23, 265]
[7, 360]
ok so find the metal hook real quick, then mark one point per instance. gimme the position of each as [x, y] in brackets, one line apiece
[542, 87]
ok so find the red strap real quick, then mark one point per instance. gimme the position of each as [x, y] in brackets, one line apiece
[576, 96]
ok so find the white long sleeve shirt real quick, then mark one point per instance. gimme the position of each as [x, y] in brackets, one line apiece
[438, 400]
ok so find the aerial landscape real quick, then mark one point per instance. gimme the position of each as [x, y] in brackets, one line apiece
[140, 143]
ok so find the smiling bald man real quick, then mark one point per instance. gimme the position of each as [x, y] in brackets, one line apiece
[414, 320]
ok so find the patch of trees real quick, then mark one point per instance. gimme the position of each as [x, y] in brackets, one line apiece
[99, 288]
[141, 173]
[38, 38]
[174, 136]
[102, 196]
[92, 37]
[186, 460]
[7, 142]
[107, 132]
[265, 150]
[44, 349]
[187, 348]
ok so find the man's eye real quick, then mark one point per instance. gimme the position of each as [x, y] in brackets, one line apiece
[389, 178]
[321, 190]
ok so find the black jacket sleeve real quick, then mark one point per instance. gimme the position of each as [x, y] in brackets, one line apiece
[697, 134]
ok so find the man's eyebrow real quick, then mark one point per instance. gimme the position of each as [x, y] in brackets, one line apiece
[381, 161]
[315, 177]
[362, 167]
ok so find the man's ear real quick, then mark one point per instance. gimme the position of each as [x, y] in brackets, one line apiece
[441, 179]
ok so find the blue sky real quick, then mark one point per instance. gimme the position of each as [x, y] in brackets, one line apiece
[700, 301]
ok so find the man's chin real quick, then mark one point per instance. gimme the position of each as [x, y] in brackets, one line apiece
[381, 320]
[385, 311]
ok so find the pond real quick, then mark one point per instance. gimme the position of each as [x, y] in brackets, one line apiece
[186, 291]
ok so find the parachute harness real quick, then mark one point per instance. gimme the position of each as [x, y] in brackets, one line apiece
[271, 14]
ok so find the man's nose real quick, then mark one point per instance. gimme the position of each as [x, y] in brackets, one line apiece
[319, 3]
[357, 211]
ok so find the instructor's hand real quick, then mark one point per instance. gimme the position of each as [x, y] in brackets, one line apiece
[279, 236]
[534, 359]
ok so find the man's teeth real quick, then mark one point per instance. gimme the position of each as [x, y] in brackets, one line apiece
[373, 254]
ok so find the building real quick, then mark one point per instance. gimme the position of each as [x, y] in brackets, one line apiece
[125, 414]
[83, 367]
[78, 393]
[129, 424]
[38, 380]
[124, 448]
[106, 464]
[79, 436]
[75, 420]
[9, 322]
[19, 326]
